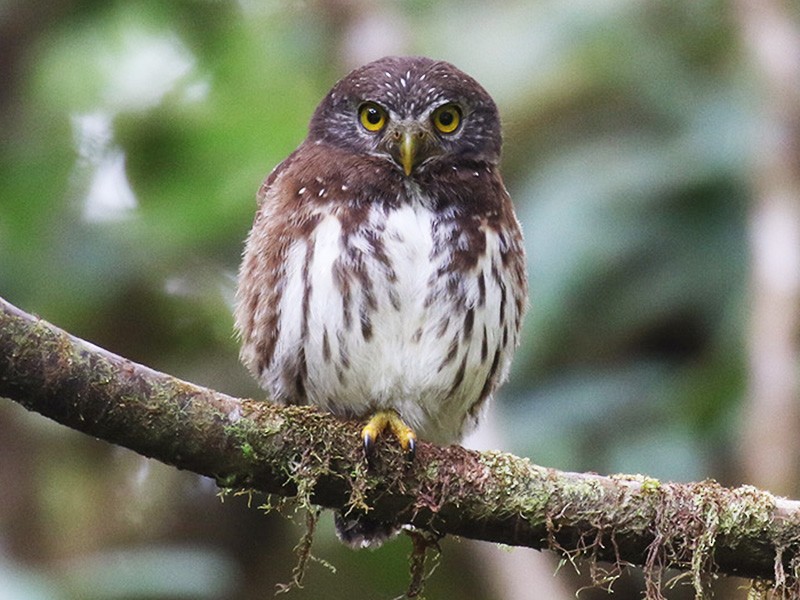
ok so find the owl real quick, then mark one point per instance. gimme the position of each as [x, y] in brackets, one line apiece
[384, 277]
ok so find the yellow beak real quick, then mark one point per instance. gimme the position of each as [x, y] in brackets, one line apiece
[408, 151]
[409, 145]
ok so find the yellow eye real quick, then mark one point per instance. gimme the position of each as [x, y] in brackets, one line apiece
[372, 116]
[447, 118]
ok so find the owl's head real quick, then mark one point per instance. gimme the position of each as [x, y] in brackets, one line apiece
[412, 111]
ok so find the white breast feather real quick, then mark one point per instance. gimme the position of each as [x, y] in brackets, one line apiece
[400, 366]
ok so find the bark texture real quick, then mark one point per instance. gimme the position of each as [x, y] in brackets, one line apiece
[702, 528]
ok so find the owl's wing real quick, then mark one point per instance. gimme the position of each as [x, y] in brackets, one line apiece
[262, 276]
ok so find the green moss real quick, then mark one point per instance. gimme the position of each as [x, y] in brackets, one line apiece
[749, 510]
[650, 485]
[511, 487]
[247, 451]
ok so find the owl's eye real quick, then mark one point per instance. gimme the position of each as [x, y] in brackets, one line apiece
[372, 117]
[447, 118]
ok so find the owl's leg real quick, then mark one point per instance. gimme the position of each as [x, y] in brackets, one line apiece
[389, 419]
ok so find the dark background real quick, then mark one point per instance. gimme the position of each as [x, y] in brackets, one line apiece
[642, 143]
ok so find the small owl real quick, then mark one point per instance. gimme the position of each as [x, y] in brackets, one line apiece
[384, 277]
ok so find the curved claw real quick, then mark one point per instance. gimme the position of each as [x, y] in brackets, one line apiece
[369, 441]
[411, 447]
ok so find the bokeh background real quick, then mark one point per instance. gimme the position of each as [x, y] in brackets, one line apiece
[652, 152]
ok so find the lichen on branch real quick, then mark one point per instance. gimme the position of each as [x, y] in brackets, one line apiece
[702, 528]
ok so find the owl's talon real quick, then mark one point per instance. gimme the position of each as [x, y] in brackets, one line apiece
[389, 419]
[411, 447]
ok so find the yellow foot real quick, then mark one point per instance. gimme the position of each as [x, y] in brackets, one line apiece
[389, 419]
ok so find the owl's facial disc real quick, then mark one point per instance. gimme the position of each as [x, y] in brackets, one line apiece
[410, 144]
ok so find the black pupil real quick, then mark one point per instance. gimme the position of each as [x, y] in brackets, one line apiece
[373, 116]
[446, 118]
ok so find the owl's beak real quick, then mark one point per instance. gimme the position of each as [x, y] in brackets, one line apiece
[408, 151]
[409, 145]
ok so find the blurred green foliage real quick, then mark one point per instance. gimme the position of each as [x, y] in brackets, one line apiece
[134, 135]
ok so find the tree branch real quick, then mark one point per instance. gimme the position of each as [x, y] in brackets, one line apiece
[300, 451]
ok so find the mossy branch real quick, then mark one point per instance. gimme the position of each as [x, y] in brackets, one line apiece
[702, 528]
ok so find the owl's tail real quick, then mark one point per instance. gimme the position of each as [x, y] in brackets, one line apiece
[363, 532]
